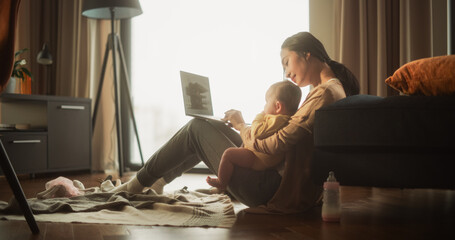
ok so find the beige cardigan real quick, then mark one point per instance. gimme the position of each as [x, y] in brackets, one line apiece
[296, 192]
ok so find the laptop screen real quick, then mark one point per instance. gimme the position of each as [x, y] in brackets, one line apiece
[196, 94]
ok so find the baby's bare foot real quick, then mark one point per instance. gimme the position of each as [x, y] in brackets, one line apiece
[215, 182]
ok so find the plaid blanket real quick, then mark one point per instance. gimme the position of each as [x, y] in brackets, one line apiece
[180, 208]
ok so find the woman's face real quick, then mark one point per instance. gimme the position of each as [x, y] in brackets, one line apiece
[295, 67]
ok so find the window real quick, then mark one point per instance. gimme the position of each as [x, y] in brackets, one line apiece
[235, 43]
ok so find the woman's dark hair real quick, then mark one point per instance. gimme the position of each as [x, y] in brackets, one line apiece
[305, 42]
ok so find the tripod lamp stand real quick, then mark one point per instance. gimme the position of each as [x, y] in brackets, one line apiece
[114, 9]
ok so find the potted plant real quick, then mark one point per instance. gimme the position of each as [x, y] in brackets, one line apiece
[20, 72]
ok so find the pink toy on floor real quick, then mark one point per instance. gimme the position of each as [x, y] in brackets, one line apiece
[61, 187]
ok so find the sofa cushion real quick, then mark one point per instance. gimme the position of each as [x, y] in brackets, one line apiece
[433, 76]
[361, 121]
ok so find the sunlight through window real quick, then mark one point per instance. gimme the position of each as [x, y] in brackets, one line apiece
[235, 43]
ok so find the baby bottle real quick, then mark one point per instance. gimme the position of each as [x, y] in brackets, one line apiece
[331, 208]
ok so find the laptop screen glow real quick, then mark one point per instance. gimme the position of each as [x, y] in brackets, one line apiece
[196, 94]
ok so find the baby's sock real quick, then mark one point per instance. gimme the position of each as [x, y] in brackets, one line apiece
[158, 186]
[132, 186]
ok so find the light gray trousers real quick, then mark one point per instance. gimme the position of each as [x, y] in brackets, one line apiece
[202, 140]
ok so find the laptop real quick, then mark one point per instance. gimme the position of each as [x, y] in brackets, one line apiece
[196, 96]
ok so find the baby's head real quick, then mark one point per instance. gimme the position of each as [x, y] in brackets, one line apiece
[282, 98]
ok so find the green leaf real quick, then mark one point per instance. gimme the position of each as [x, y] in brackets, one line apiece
[16, 63]
[20, 52]
[27, 72]
[20, 72]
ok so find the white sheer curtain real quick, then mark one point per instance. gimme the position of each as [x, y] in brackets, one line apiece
[235, 43]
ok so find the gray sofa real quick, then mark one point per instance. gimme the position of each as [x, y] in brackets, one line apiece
[399, 141]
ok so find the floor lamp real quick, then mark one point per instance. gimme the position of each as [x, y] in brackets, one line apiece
[114, 9]
[44, 57]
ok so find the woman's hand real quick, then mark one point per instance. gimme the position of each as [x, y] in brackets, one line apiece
[235, 119]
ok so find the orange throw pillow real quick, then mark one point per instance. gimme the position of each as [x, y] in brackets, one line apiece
[427, 76]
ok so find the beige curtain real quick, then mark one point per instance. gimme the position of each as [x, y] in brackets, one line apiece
[77, 46]
[424, 29]
[104, 137]
[360, 33]
[375, 37]
[72, 51]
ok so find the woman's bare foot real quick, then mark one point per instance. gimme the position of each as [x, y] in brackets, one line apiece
[215, 182]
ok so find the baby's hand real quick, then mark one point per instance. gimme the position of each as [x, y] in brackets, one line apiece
[235, 119]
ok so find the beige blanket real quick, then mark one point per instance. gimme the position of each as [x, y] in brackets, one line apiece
[180, 208]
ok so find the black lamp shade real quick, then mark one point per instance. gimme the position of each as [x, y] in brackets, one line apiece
[101, 9]
[44, 56]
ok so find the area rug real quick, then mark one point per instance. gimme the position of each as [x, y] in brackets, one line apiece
[179, 208]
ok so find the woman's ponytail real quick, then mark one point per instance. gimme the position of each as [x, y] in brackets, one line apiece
[346, 77]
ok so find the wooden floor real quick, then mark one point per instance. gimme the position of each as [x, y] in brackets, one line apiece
[367, 213]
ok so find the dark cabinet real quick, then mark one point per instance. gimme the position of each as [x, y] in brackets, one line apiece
[69, 128]
[28, 151]
[58, 136]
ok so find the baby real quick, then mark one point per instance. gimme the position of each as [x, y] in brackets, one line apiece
[282, 100]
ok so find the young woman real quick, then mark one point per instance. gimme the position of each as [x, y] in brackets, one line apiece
[286, 188]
